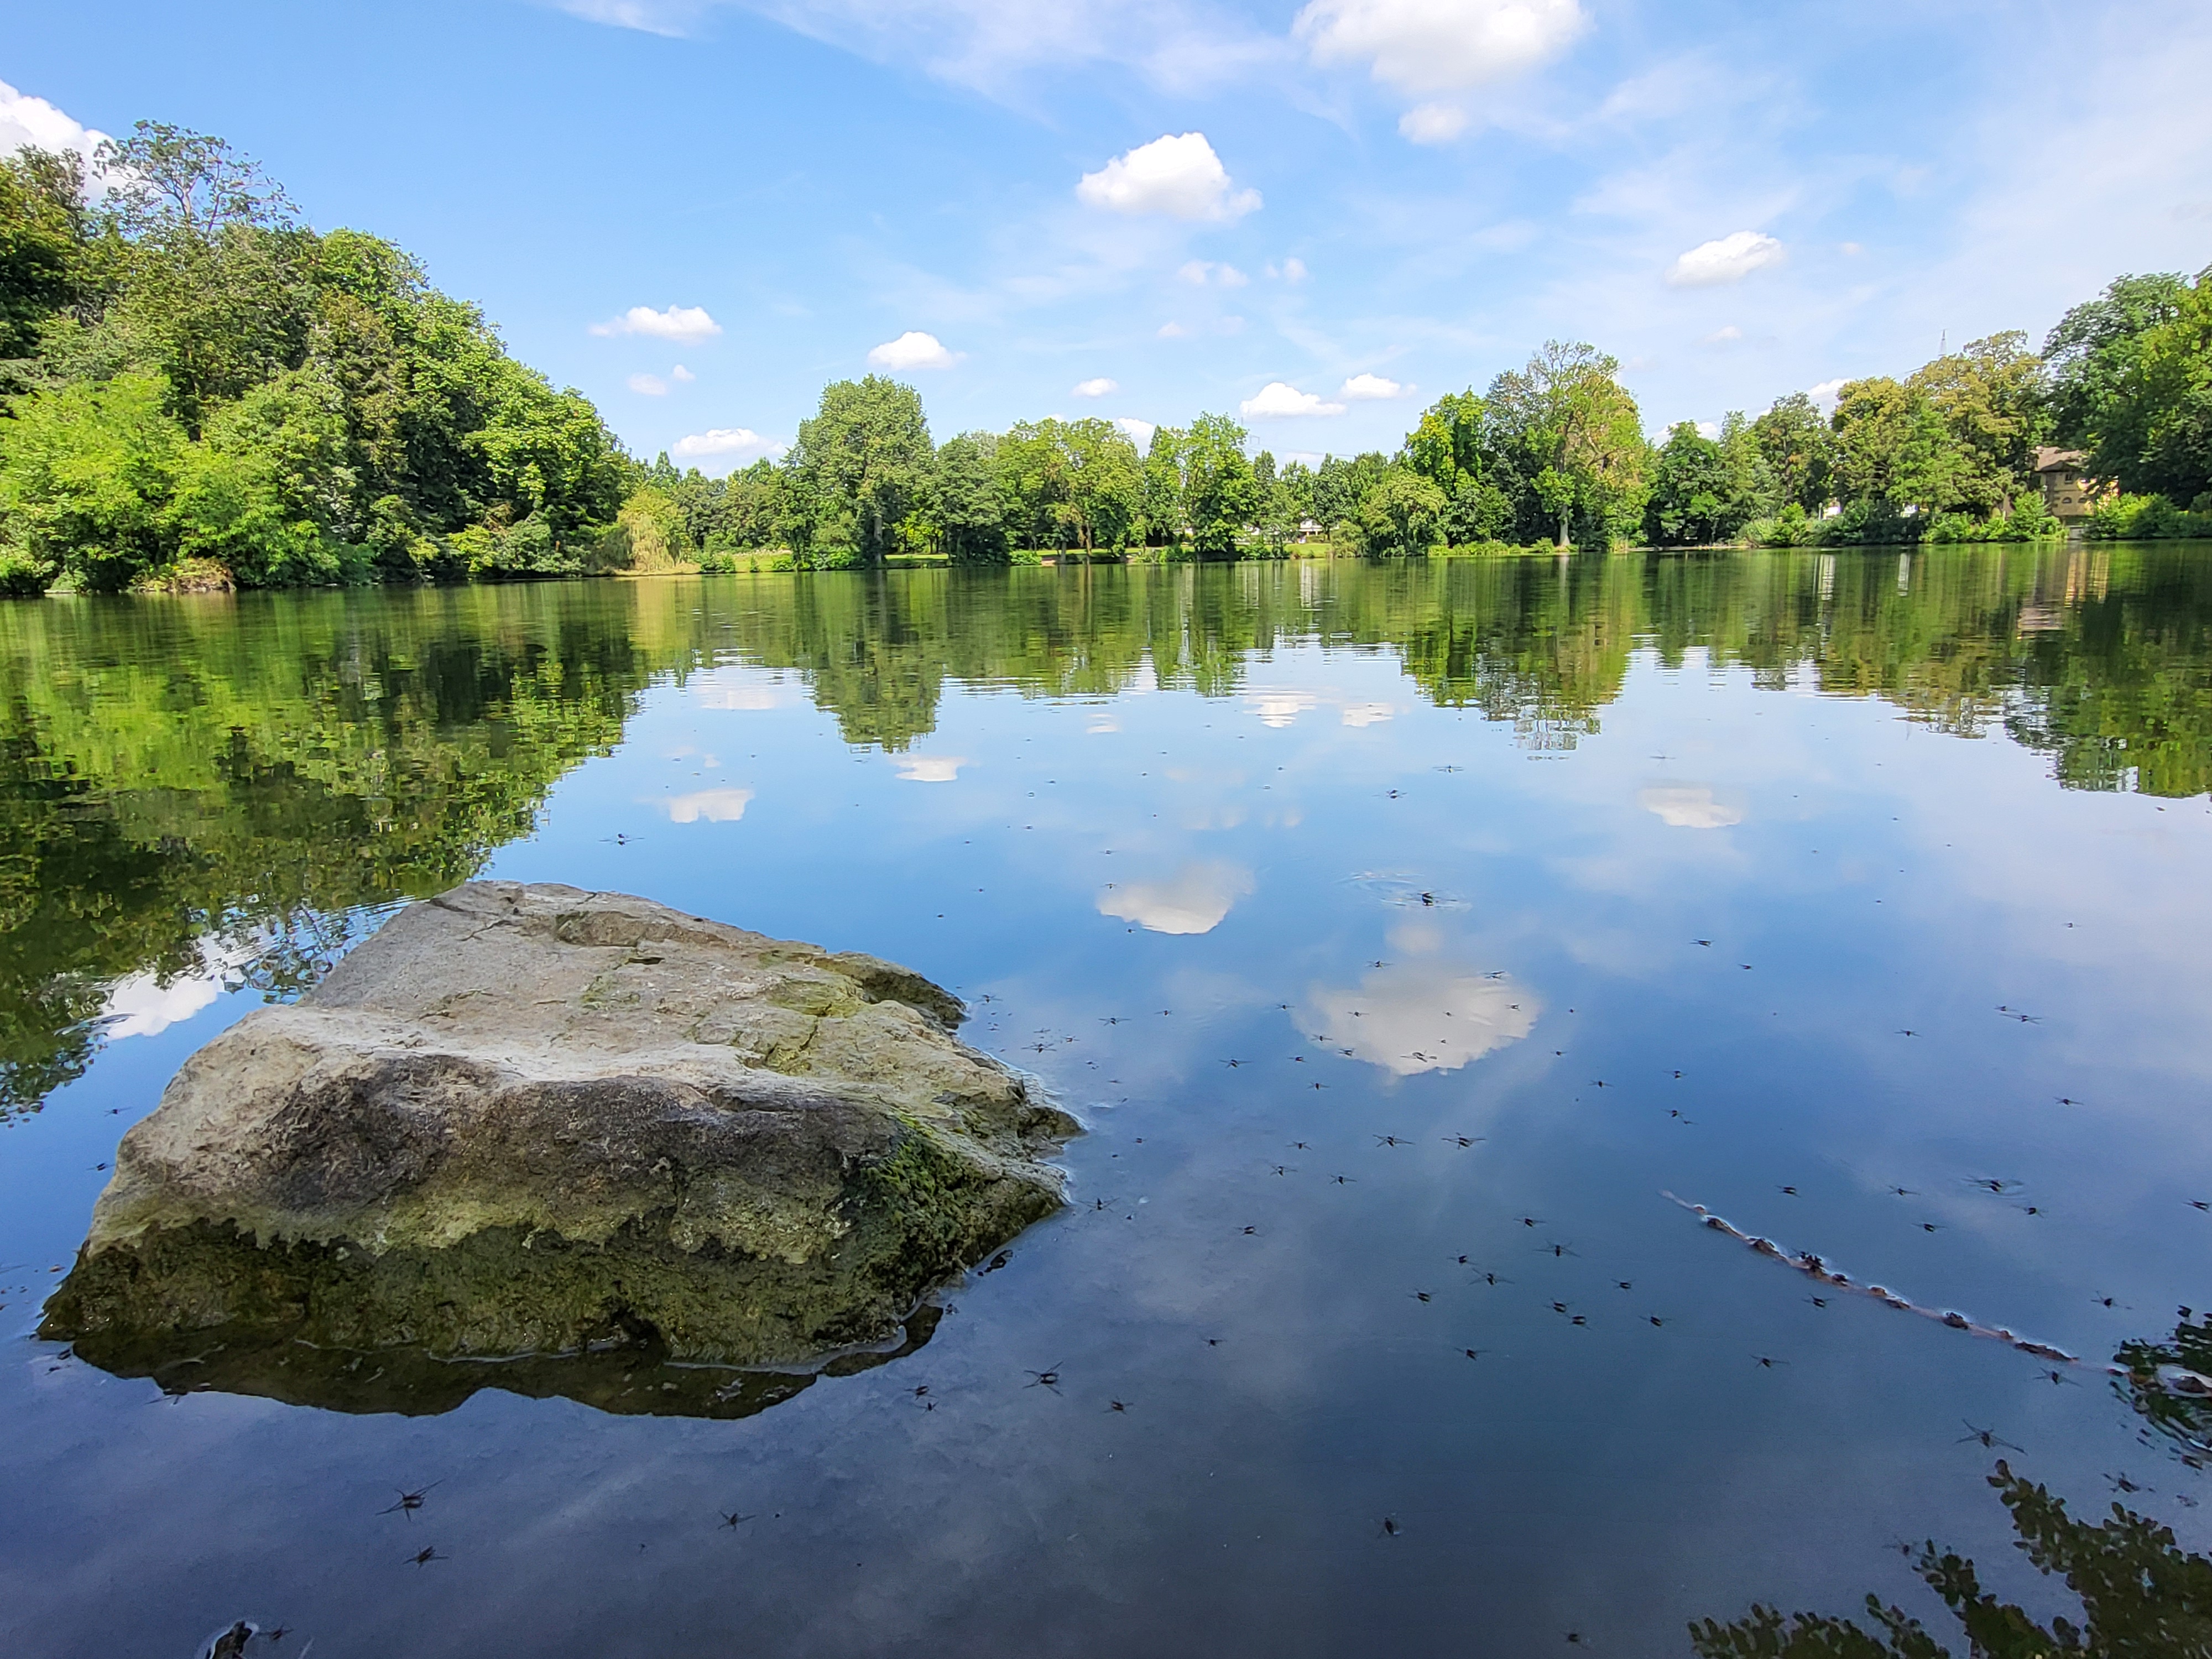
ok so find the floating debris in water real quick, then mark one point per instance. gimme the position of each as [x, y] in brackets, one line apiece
[1814, 1267]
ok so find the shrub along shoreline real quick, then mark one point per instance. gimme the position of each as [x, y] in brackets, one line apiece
[198, 390]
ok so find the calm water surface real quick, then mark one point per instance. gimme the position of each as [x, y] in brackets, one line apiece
[1394, 932]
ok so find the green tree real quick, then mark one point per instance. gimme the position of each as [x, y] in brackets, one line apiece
[1578, 438]
[1220, 496]
[1798, 449]
[861, 459]
[2173, 393]
[1401, 517]
[971, 513]
[1689, 502]
[2095, 357]
[1892, 447]
[1990, 397]
[1162, 487]
[43, 230]
[85, 474]
[268, 493]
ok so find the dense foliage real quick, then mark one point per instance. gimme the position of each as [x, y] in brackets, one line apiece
[197, 378]
[199, 390]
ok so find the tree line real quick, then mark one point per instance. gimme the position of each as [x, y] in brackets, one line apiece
[195, 379]
[198, 388]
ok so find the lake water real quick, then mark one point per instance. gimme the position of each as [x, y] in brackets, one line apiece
[1409, 940]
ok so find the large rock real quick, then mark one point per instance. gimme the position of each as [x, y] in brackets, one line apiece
[531, 1121]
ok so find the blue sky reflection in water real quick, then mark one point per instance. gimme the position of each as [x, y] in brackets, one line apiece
[1430, 856]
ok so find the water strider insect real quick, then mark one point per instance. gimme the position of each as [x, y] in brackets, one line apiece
[411, 1501]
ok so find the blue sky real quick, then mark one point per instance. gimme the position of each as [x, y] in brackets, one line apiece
[1736, 199]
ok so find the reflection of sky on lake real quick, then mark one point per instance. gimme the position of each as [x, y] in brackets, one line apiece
[1718, 912]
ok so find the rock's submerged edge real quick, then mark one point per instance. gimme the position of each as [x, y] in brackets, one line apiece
[754, 1150]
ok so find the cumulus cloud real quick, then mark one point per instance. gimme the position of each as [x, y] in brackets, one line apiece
[682, 375]
[727, 446]
[140, 1004]
[1430, 49]
[1279, 400]
[1370, 388]
[1098, 388]
[1826, 392]
[1196, 899]
[683, 324]
[1140, 432]
[1687, 806]
[913, 349]
[1729, 258]
[1720, 336]
[1180, 178]
[1432, 123]
[706, 806]
[33, 122]
[931, 768]
[1202, 271]
[1425, 1016]
[1174, 331]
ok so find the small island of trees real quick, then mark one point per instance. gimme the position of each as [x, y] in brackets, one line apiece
[201, 391]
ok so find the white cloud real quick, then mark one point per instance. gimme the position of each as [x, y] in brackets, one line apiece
[1140, 432]
[1721, 337]
[1424, 47]
[1174, 331]
[1098, 388]
[913, 349]
[1202, 271]
[1730, 259]
[1370, 388]
[729, 445]
[682, 375]
[706, 806]
[33, 122]
[1179, 177]
[1432, 123]
[648, 386]
[735, 692]
[930, 769]
[685, 325]
[1425, 1016]
[989, 45]
[1826, 392]
[1687, 806]
[1707, 428]
[141, 1005]
[1195, 900]
[1294, 270]
[1277, 400]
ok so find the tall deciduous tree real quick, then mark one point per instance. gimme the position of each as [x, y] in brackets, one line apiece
[861, 460]
[1579, 436]
[1990, 397]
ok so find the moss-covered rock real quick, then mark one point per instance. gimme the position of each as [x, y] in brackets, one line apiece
[533, 1122]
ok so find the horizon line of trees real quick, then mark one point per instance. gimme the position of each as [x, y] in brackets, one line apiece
[197, 386]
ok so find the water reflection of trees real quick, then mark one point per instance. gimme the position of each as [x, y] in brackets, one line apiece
[194, 787]
[2102, 657]
[2141, 1596]
[190, 783]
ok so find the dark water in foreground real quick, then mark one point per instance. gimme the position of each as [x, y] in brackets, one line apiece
[1777, 883]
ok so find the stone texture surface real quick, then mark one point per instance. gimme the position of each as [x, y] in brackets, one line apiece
[525, 1119]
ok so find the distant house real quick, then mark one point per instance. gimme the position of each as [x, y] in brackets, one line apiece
[2066, 491]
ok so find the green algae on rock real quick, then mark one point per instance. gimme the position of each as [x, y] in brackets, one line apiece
[525, 1120]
